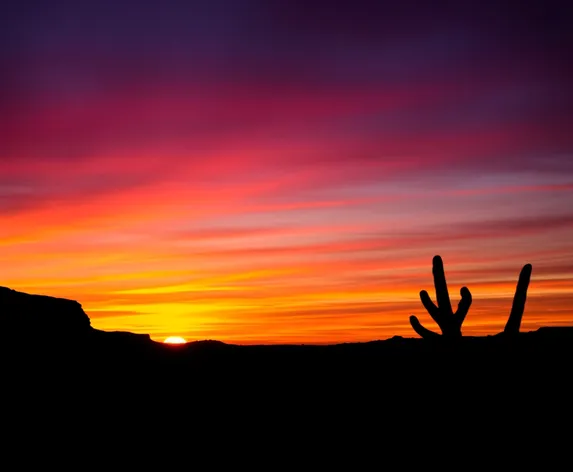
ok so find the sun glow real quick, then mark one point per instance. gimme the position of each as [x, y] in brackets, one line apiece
[175, 340]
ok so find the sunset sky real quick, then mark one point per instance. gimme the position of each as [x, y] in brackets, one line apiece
[284, 171]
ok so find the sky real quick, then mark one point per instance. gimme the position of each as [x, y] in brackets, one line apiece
[284, 171]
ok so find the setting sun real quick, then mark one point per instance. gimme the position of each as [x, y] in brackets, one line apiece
[175, 340]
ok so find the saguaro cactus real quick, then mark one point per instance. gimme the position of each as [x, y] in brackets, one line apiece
[449, 322]
[518, 306]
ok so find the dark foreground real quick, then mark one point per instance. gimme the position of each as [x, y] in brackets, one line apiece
[63, 378]
[540, 359]
[403, 399]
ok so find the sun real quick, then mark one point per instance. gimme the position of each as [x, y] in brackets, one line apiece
[174, 340]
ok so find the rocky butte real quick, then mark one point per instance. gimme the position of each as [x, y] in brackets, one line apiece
[24, 316]
[32, 319]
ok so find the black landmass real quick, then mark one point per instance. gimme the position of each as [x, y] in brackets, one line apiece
[58, 373]
[45, 334]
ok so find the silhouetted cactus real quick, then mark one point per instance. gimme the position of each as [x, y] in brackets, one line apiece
[518, 306]
[451, 323]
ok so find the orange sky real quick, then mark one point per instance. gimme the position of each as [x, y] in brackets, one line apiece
[268, 172]
[135, 266]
